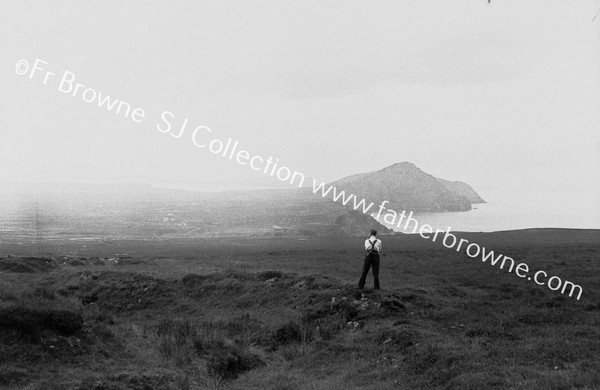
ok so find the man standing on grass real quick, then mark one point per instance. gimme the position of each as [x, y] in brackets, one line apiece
[373, 247]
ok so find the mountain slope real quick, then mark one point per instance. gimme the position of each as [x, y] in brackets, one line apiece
[463, 189]
[408, 188]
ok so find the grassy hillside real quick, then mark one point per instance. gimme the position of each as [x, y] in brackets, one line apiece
[284, 314]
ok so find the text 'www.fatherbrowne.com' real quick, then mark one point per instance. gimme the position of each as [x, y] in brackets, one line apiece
[201, 136]
[407, 223]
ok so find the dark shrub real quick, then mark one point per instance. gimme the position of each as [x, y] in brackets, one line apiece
[410, 298]
[314, 313]
[64, 321]
[205, 345]
[392, 305]
[191, 280]
[493, 332]
[288, 333]
[266, 275]
[32, 321]
[346, 310]
[230, 361]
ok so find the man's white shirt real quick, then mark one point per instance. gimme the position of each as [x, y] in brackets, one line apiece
[377, 244]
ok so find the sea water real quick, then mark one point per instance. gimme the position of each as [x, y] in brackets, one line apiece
[524, 210]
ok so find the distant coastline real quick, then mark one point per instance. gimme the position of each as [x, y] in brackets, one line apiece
[209, 187]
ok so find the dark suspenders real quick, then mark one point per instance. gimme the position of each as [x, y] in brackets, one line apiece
[373, 246]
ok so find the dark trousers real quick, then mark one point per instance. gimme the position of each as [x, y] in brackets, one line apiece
[370, 261]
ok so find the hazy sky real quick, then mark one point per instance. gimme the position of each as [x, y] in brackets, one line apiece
[500, 95]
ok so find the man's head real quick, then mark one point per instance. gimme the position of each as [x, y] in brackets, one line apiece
[373, 232]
